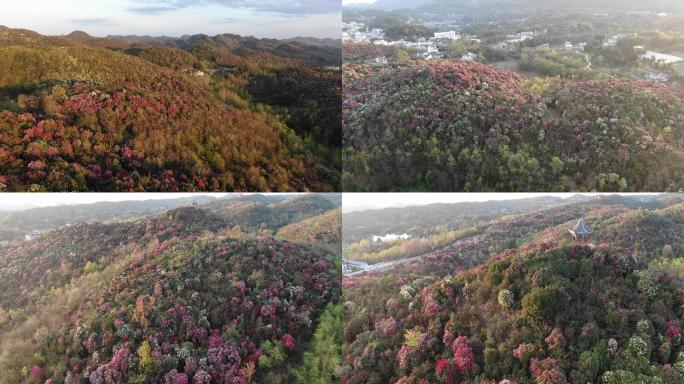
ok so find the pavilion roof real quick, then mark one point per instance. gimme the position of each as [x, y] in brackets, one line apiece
[581, 227]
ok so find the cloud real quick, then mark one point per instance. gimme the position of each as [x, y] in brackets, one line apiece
[152, 10]
[286, 7]
[228, 20]
[92, 21]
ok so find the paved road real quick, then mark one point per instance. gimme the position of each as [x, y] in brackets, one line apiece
[387, 265]
[378, 267]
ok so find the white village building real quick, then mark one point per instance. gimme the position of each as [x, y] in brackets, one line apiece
[390, 237]
[449, 35]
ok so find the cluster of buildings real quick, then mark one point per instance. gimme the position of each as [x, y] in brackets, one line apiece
[427, 49]
[571, 46]
[662, 58]
[513, 42]
[644, 54]
[520, 37]
[356, 32]
[448, 36]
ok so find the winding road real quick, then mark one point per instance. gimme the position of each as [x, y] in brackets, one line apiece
[387, 265]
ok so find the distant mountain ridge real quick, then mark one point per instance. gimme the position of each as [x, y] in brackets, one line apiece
[148, 39]
[324, 49]
[14, 225]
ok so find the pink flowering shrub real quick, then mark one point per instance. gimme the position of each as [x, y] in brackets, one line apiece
[463, 354]
[288, 341]
[555, 340]
[547, 371]
[673, 332]
[36, 373]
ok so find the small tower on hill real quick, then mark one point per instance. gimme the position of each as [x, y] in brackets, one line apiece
[581, 233]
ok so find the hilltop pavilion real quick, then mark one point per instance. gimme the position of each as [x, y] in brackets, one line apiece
[581, 233]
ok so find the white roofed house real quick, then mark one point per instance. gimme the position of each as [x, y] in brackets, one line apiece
[450, 35]
[610, 43]
[469, 56]
[662, 58]
[520, 37]
[657, 77]
[32, 235]
[390, 237]
[380, 60]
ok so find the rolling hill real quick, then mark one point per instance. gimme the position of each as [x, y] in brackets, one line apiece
[461, 126]
[14, 225]
[85, 113]
[648, 226]
[540, 313]
[518, 302]
[323, 229]
[178, 296]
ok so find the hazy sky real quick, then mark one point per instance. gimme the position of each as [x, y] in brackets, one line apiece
[32, 200]
[359, 201]
[358, 1]
[260, 18]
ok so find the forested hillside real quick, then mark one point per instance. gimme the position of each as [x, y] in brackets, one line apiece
[538, 314]
[184, 296]
[323, 229]
[650, 229]
[222, 113]
[460, 126]
[427, 219]
[15, 225]
[517, 301]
